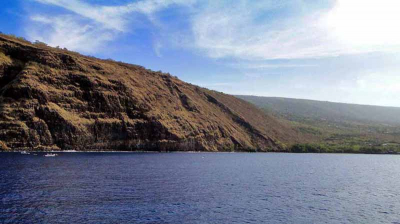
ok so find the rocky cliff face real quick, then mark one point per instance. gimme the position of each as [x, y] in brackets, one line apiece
[56, 99]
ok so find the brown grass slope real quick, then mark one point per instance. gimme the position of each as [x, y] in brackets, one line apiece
[56, 99]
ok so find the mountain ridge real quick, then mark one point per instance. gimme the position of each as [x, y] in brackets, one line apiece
[53, 99]
[326, 109]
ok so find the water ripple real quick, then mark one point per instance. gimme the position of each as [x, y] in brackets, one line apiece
[199, 188]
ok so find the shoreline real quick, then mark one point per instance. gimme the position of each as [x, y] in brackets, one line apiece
[198, 152]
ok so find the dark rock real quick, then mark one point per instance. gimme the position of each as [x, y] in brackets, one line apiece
[52, 99]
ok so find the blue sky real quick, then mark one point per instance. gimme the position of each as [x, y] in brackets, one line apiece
[331, 50]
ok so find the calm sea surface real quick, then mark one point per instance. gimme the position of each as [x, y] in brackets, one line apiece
[199, 188]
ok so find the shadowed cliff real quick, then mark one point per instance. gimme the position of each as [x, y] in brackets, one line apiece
[55, 99]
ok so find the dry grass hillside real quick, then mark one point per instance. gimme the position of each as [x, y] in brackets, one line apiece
[56, 99]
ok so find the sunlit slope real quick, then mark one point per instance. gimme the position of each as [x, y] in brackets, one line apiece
[56, 99]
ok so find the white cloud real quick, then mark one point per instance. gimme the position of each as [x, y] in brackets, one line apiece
[233, 29]
[113, 17]
[157, 48]
[257, 65]
[236, 33]
[68, 31]
[361, 22]
[217, 84]
[91, 26]
[110, 20]
[379, 83]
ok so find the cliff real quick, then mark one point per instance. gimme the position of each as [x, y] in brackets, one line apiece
[56, 99]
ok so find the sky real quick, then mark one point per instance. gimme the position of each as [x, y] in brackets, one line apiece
[330, 50]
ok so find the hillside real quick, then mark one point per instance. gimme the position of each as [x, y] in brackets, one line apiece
[336, 124]
[291, 108]
[56, 99]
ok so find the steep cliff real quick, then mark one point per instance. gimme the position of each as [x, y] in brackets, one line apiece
[56, 99]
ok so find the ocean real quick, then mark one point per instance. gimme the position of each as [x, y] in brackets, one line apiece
[199, 188]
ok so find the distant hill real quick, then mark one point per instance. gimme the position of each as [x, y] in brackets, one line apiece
[294, 109]
[339, 127]
[52, 98]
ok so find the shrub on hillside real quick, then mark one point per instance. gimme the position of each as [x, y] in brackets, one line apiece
[41, 44]
[309, 148]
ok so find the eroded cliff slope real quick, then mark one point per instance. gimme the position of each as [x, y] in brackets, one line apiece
[56, 99]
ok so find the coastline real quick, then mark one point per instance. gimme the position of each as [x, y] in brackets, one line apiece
[201, 152]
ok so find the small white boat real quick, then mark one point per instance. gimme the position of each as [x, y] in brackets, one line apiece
[50, 155]
[25, 153]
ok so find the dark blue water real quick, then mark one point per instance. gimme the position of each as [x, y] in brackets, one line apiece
[199, 188]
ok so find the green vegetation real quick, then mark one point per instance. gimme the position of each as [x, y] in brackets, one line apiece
[335, 127]
[323, 148]
[41, 44]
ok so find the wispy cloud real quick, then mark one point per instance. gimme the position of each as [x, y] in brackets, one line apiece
[114, 17]
[247, 29]
[68, 31]
[256, 75]
[256, 65]
[157, 48]
[238, 33]
[110, 18]
[88, 26]
[217, 84]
